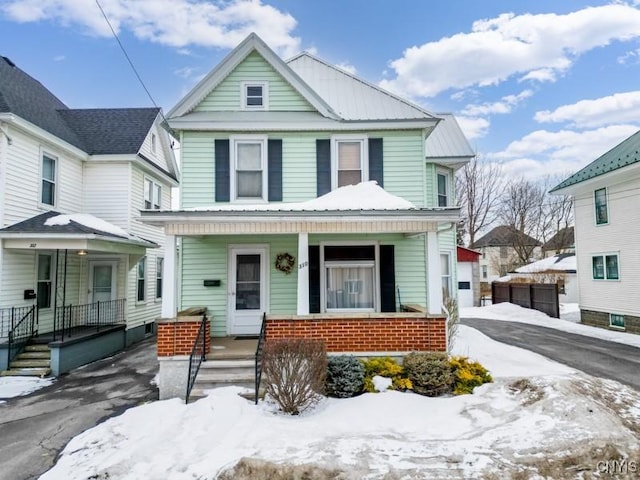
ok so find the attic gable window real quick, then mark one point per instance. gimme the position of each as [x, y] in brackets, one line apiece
[255, 95]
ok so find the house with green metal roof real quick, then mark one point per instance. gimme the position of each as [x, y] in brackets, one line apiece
[606, 196]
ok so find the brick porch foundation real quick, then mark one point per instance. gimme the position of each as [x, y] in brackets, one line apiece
[176, 336]
[376, 332]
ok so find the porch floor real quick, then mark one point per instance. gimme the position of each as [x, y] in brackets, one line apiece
[223, 348]
[78, 334]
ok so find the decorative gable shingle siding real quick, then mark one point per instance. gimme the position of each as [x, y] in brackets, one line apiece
[227, 95]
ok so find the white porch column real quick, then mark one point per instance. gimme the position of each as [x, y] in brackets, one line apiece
[169, 301]
[303, 274]
[434, 274]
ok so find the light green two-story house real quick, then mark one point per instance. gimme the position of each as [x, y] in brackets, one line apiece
[306, 190]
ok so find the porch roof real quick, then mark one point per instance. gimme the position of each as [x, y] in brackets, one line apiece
[53, 230]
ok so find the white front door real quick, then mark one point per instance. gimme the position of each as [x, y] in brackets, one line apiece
[247, 289]
[102, 281]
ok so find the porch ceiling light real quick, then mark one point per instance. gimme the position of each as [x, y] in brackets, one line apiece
[82, 253]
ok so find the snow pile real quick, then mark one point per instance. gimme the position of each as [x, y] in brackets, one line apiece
[381, 384]
[514, 313]
[556, 263]
[88, 221]
[18, 386]
[363, 196]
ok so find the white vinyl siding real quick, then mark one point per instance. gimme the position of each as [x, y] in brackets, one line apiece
[107, 191]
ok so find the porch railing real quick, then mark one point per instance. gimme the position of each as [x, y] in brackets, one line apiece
[198, 355]
[259, 350]
[22, 326]
[71, 319]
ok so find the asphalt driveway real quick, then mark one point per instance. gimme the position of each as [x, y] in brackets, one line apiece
[596, 357]
[35, 428]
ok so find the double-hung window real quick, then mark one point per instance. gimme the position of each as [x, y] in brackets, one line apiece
[350, 280]
[152, 195]
[48, 184]
[254, 95]
[141, 279]
[249, 172]
[159, 266]
[605, 267]
[443, 189]
[44, 280]
[445, 268]
[350, 166]
[601, 211]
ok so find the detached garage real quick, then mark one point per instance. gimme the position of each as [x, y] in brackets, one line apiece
[468, 278]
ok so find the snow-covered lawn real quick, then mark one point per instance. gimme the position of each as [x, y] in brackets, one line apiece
[538, 416]
[514, 313]
[17, 386]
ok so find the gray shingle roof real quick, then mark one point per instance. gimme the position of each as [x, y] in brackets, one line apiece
[504, 236]
[95, 131]
[564, 238]
[623, 154]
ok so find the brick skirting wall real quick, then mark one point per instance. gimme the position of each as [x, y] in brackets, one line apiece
[396, 332]
[601, 319]
[176, 336]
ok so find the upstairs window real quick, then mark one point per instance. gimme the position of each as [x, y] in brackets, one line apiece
[605, 267]
[443, 190]
[159, 267]
[152, 195]
[248, 170]
[154, 141]
[254, 95]
[349, 161]
[48, 187]
[601, 211]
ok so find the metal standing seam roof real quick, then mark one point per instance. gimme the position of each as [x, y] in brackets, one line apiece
[351, 97]
[447, 140]
[623, 154]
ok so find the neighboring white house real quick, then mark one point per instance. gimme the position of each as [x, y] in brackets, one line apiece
[607, 227]
[72, 184]
[560, 269]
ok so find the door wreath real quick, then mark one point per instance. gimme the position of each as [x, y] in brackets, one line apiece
[285, 263]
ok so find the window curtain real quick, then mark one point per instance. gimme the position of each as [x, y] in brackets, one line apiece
[350, 287]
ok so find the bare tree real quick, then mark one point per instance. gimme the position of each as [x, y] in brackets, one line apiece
[558, 212]
[480, 186]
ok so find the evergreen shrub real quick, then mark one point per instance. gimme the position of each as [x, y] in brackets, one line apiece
[468, 375]
[345, 376]
[385, 367]
[430, 373]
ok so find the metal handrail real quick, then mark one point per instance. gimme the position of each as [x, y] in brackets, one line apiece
[98, 315]
[20, 332]
[198, 355]
[259, 350]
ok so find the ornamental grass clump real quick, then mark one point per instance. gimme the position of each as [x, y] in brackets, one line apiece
[430, 373]
[385, 367]
[345, 376]
[468, 375]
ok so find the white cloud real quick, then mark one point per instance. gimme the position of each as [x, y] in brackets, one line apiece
[473, 127]
[59, 58]
[504, 105]
[613, 109]
[536, 47]
[347, 67]
[175, 23]
[185, 72]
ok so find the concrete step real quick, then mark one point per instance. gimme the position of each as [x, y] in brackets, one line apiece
[26, 372]
[225, 364]
[227, 378]
[41, 347]
[42, 355]
[224, 355]
[30, 364]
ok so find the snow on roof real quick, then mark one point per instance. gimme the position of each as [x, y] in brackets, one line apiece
[560, 263]
[89, 221]
[363, 196]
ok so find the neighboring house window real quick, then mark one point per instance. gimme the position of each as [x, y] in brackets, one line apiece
[48, 196]
[616, 321]
[484, 272]
[255, 95]
[445, 268]
[141, 276]
[159, 265]
[45, 275]
[605, 267]
[153, 143]
[152, 195]
[248, 168]
[504, 252]
[602, 214]
[443, 195]
[350, 278]
[349, 165]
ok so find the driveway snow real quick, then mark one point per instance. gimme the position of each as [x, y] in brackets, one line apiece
[11, 387]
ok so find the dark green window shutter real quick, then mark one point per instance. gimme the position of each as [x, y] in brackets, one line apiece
[376, 170]
[274, 159]
[222, 170]
[314, 279]
[323, 166]
[387, 279]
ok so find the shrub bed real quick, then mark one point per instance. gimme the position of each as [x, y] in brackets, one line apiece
[345, 376]
[385, 367]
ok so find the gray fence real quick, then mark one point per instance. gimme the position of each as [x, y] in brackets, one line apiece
[537, 296]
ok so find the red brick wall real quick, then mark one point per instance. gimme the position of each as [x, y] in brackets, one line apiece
[177, 336]
[400, 333]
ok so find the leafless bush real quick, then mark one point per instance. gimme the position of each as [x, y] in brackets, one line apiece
[294, 371]
[453, 319]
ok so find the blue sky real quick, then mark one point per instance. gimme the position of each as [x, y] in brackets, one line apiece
[543, 87]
